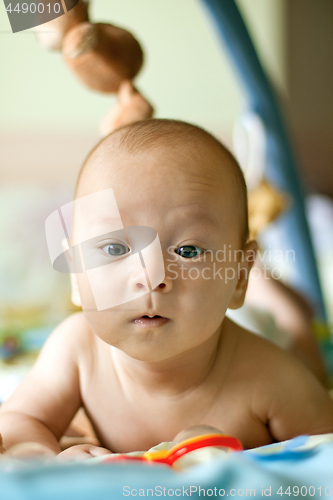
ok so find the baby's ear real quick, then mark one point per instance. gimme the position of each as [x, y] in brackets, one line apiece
[75, 297]
[243, 271]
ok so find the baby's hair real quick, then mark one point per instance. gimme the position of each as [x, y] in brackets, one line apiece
[147, 135]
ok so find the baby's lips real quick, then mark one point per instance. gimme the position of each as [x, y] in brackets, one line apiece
[151, 321]
[149, 315]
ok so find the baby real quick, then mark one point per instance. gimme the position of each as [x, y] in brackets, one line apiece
[167, 359]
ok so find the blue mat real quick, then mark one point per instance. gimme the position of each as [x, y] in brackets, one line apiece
[275, 471]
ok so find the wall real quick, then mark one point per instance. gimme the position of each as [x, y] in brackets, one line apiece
[48, 121]
[310, 87]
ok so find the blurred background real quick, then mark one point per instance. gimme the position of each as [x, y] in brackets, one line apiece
[49, 122]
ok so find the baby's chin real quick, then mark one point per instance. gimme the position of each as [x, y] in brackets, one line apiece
[148, 350]
[163, 352]
[147, 356]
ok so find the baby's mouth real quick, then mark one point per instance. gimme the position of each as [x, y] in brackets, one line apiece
[151, 321]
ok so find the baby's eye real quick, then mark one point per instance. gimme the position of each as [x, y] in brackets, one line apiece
[116, 249]
[189, 251]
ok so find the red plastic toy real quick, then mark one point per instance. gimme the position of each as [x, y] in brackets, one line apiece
[168, 457]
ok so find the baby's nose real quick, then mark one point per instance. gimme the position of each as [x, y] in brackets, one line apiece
[140, 282]
[165, 286]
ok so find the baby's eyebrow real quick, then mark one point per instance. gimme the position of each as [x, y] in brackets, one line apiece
[104, 221]
[194, 216]
[84, 230]
[202, 219]
[201, 223]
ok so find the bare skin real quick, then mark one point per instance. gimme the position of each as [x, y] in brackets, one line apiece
[143, 385]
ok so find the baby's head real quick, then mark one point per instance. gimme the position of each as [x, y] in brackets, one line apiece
[182, 183]
[175, 150]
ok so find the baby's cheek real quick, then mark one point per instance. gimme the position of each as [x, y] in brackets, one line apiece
[96, 319]
[219, 289]
[206, 299]
[215, 279]
[87, 298]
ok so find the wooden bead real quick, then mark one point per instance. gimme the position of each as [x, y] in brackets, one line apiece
[131, 107]
[50, 35]
[102, 55]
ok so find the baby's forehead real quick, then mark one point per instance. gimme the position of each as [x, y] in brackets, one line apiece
[165, 170]
[198, 161]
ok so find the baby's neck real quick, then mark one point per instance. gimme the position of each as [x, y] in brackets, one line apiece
[171, 377]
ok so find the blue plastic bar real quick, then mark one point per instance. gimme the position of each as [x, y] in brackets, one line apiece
[281, 167]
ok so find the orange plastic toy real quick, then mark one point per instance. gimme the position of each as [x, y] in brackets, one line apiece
[168, 457]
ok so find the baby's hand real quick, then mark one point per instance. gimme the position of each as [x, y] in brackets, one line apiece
[82, 452]
[28, 450]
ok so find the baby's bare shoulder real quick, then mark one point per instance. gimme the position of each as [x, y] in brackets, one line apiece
[74, 336]
[51, 390]
[285, 395]
[272, 368]
[255, 352]
[74, 327]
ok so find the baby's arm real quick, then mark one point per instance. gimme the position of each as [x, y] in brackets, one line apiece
[43, 405]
